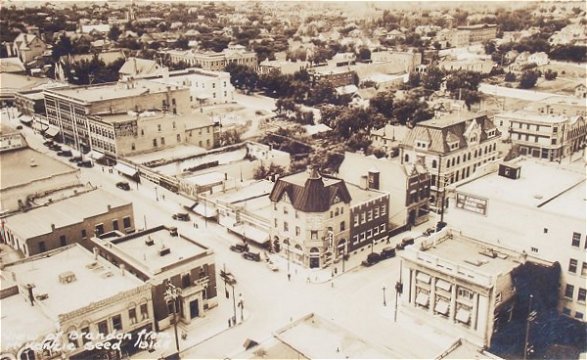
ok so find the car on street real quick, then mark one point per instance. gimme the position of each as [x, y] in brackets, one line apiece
[48, 143]
[85, 163]
[387, 252]
[429, 231]
[55, 147]
[123, 185]
[240, 248]
[371, 259]
[271, 265]
[18, 127]
[405, 242]
[75, 159]
[65, 153]
[181, 217]
[252, 256]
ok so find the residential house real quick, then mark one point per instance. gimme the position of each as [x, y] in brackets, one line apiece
[480, 32]
[388, 138]
[135, 68]
[28, 46]
[581, 91]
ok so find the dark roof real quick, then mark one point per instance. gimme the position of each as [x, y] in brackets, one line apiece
[311, 193]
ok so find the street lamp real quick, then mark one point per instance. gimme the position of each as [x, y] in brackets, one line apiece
[156, 193]
[384, 302]
[528, 349]
[288, 254]
[172, 293]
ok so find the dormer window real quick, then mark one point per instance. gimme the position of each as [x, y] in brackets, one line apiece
[491, 133]
[453, 145]
[422, 144]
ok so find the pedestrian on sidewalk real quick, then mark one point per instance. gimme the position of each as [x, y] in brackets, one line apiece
[288, 277]
[229, 322]
[308, 280]
[332, 284]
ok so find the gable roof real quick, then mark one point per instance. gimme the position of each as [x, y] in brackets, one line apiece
[11, 65]
[313, 193]
[137, 67]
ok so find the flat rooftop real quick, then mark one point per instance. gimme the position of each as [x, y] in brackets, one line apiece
[176, 152]
[450, 119]
[252, 190]
[73, 210]
[111, 91]
[317, 338]
[16, 169]
[144, 248]
[532, 116]
[539, 182]
[21, 82]
[95, 280]
[359, 195]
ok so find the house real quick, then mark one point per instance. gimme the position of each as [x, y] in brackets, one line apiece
[12, 65]
[480, 32]
[161, 258]
[215, 61]
[28, 46]
[138, 68]
[388, 138]
[581, 91]
[560, 105]
[451, 147]
[536, 207]
[539, 58]
[408, 187]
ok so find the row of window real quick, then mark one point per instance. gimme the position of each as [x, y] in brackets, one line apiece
[578, 315]
[576, 240]
[369, 234]
[372, 214]
[103, 145]
[536, 138]
[570, 293]
[101, 131]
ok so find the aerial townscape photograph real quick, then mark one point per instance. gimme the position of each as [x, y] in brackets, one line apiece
[207, 179]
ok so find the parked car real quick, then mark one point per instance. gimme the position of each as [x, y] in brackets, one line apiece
[18, 127]
[429, 231]
[65, 153]
[387, 252]
[252, 256]
[240, 248]
[85, 163]
[371, 259]
[405, 242]
[55, 147]
[123, 185]
[75, 159]
[48, 143]
[181, 216]
[272, 266]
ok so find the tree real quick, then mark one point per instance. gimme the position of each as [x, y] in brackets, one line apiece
[114, 33]
[414, 80]
[322, 92]
[510, 77]
[489, 47]
[364, 53]
[469, 80]
[182, 43]
[262, 172]
[550, 75]
[242, 76]
[62, 47]
[382, 103]
[432, 79]
[411, 110]
[528, 79]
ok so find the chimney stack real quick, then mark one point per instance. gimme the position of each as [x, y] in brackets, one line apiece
[95, 250]
[122, 268]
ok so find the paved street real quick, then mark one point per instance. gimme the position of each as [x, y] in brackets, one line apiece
[353, 300]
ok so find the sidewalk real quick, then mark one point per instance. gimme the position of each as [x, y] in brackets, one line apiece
[213, 323]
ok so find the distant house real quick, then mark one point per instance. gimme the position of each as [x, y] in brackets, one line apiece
[581, 91]
[27, 47]
[12, 65]
[108, 57]
[137, 67]
[96, 29]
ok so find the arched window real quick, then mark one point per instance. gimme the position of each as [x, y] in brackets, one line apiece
[27, 354]
[407, 158]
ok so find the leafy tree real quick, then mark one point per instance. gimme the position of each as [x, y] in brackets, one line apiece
[411, 110]
[322, 92]
[432, 79]
[382, 103]
[489, 47]
[469, 80]
[242, 76]
[364, 53]
[574, 53]
[228, 137]
[528, 79]
[414, 80]
[262, 172]
[62, 47]
[114, 33]
[182, 43]
[550, 75]
[510, 77]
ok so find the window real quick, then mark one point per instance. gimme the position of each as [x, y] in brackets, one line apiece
[584, 269]
[314, 235]
[363, 217]
[362, 237]
[567, 311]
[569, 291]
[84, 234]
[370, 215]
[296, 214]
[62, 240]
[144, 311]
[126, 222]
[99, 229]
[581, 295]
[285, 226]
[573, 265]
[103, 327]
[162, 141]
[546, 230]
[356, 220]
[72, 338]
[376, 215]
[133, 147]
[342, 226]
[382, 227]
[178, 138]
[576, 239]
[434, 164]
[285, 210]
[154, 142]
[578, 315]
[298, 230]
[186, 281]
[132, 315]
[115, 224]
[383, 210]
[84, 332]
[117, 322]
[159, 127]
[275, 223]
[534, 250]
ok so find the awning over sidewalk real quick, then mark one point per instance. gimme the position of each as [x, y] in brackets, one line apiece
[127, 170]
[422, 299]
[206, 211]
[25, 119]
[252, 233]
[463, 316]
[52, 132]
[95, 155]
[441, 307]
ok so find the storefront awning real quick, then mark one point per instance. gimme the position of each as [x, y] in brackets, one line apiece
[252, 233]
[126, 170]
[444, 285]
[206, 210]
[464, 316]
[39, 126]
[52, 132]
[422, 299]
[25, 119]
[95, 155]
[423, 277]
[441, 307]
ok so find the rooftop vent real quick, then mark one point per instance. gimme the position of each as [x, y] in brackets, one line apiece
[538, 197]
[164, 251]
[33, 163]
[92, 265]
[149, 241]
[41, 297]
[476, 262]
[67, 277]
[489, 252]
[510, 171]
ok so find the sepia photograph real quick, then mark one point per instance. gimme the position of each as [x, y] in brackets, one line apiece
[293, 179]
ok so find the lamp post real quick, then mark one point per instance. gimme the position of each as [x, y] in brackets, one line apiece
[241, 304]
[233, 305]
[156, 193]
[384, 301]
[288, 254]
[172, 293]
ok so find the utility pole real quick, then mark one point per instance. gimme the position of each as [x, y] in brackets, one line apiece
[384, 302]
[531, 317]
[288, 254]
[399, 287]
[172, 293]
